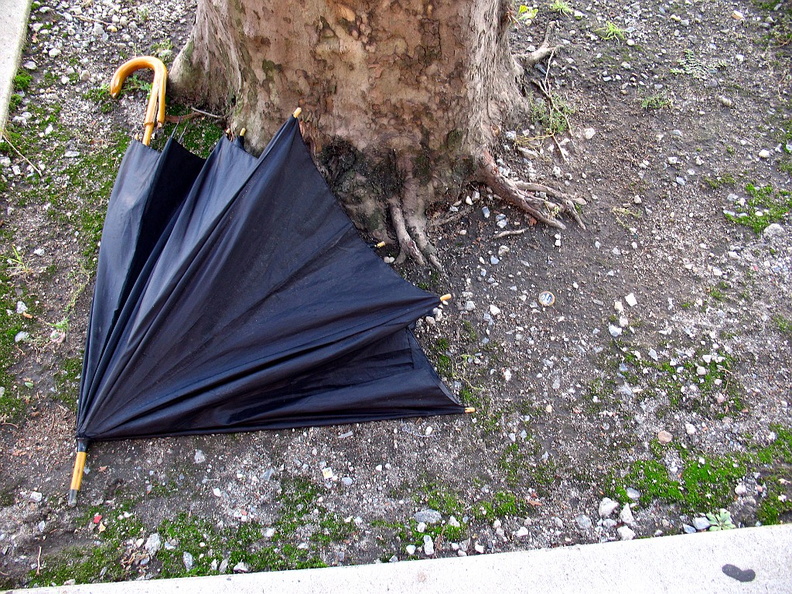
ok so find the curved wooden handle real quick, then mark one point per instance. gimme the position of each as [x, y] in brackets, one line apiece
[155, 112]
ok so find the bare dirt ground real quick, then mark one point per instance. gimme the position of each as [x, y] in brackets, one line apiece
[655, 389]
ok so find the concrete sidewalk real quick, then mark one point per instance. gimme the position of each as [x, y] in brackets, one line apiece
[746, 560]
[13, 24]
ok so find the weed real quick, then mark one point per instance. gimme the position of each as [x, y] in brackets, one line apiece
[658, 101]
[611, 31]
[692, 66]
[525, 14]
[561, 7]
[551, 116]
[763, 206]
[720, 520]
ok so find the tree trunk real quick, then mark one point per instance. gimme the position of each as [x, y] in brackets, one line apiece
[401, 99]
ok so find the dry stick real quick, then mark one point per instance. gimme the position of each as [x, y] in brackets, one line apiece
[18, 152]
[508, 233]
[38, 561]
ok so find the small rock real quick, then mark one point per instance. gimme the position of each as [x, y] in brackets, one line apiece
[614, 330]
[35, 496]
[522, 532]
[583, 522]
[428, 516]
[607, 506]
[588, 133]
[428, 546]
[30, 65]
[633, 494]
[701, 370]
[494, 310]
[21, 336]
[223, 566]
[764, 154]
[626, 515]
[690, 428]
[199, 457]
[241, 567]
[701, 523]
[217, 492]
[347, 481]
[153, 544]
[421, 527]
[631, 300]
[485, 211]
[188, 560]
[453, 522]
[664, 436]
[410, 549]
[688, 529]
[54, 52]
[470, 306]
[740, 490]
[737, 15]
[479, 548]
[625, 533]
[71, 154]
[773, 231]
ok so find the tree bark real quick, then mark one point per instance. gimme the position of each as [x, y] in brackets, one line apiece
[401, 99]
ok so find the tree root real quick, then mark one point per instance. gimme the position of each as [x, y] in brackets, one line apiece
[528, 61]
[524, 196]
[408, 213]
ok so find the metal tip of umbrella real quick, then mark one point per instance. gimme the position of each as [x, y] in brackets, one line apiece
[155, 111]
[446, 298]
[469, 410]
[242, 132]
[379, 245]
[297, 113]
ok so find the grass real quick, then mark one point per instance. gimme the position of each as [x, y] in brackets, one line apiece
[764, 206]
[784, 325]
[658, 101]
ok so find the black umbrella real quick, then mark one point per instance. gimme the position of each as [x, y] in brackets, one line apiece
[250, 302]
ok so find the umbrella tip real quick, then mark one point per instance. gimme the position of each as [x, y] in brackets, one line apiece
[242, 132]
[470, 410]
[446, 298]
[297, 112]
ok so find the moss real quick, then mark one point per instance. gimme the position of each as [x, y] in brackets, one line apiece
[764, 206]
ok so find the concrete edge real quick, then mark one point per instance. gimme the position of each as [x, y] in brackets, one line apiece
[13, 23]
[758, 559]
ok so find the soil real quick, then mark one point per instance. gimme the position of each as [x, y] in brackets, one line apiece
[668, 341]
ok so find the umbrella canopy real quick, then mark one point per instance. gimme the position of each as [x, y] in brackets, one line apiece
[234, 294]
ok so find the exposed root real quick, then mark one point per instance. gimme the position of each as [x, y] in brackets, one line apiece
[528, 61]
[523, 195]
[407, 245]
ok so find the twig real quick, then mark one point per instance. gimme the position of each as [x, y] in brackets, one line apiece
[85, 18]
[38, 561]
[12, 424]
[207, 114]
[508, 233]
[18, 152]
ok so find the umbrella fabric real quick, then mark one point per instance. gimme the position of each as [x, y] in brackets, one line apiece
[149, 189]
[262, 308]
